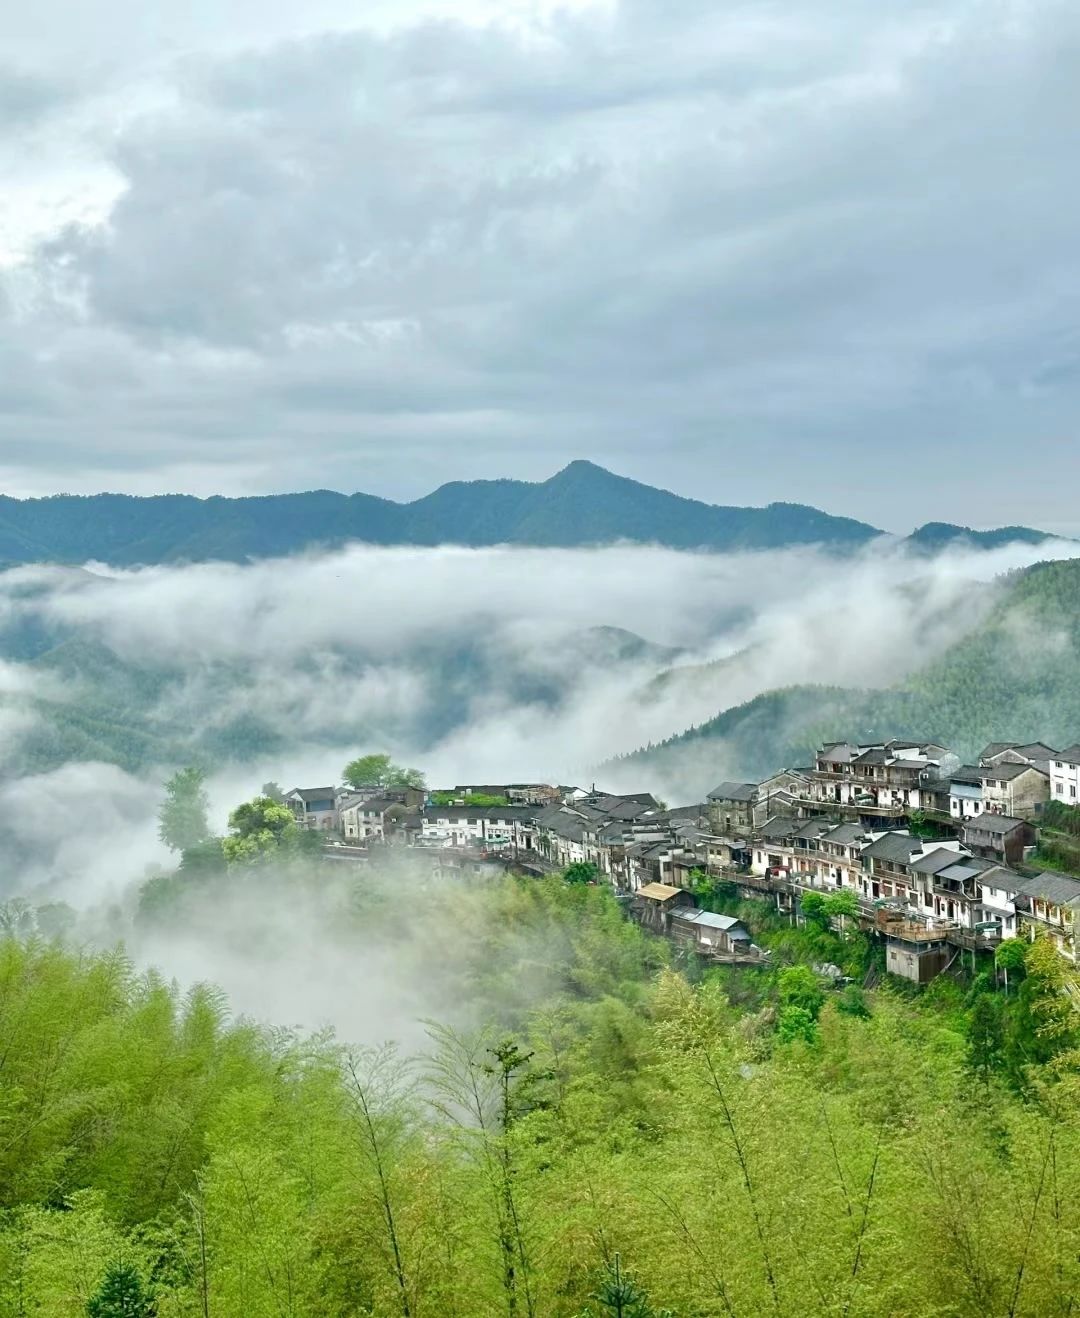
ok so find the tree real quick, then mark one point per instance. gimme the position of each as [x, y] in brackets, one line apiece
[812, 905]
[799, 987]
[262, 829]
[120, 1295]
[986, 1037]
[795, 1023]
[367, 771]
[581, 871]
[182, 819]
[1009, 956]
[841, 904]
[380, 771]
[622, 1296]
[273, 791]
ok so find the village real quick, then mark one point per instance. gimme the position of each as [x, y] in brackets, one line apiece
[937, 856]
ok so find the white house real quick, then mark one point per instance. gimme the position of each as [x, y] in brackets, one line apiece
[1065, 775]
[497, 827]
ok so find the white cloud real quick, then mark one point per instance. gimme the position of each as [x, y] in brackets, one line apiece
[822, 254]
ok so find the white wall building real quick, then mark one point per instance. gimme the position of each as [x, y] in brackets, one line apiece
[1065, 776]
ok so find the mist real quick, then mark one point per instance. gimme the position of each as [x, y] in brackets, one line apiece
[480, 665]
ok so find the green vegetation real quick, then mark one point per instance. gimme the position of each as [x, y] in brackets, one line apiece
[182, 820]
[473, 799]
[616, 1140]
[1059, 838]
[380, 771]
[1013, 678]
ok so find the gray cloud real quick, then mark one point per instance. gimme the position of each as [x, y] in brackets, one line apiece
[753, 253]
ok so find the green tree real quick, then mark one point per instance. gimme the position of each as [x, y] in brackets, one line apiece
[622, 1296]
[273, 791]
[120, 1295]
[263, 829]
[182, 819]
[986, 1037]
[812, 906]
[842, 905]
[581, 871]
[795, 1023]
[798, 986]
[1009, 958]
[380, 771]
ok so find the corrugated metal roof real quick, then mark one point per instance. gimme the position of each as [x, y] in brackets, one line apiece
[710, 920]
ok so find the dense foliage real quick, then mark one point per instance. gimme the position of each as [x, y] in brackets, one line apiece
[621, 1134]
[378, 770]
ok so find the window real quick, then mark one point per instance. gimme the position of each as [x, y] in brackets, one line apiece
[1072, 789]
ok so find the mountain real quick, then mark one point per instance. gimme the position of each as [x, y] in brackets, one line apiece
[935, 536]
[581, 505]
[1012, 678]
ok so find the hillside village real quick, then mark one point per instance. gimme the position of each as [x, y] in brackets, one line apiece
[940, 858]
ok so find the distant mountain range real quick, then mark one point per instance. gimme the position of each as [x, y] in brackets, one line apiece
[581, 505]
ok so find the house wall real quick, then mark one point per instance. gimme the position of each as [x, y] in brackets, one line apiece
[1017, 796]
[1065, 781]
[910, 962]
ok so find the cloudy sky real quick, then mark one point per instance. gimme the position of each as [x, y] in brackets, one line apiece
[822, 250]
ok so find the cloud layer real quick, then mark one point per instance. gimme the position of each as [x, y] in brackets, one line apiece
[474, 664]
[822, 253]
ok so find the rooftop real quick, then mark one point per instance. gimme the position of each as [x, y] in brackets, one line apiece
[991, 823]
[1049, 887]
[658, 892]
[734, 792]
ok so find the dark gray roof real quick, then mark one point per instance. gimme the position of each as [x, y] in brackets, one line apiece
[1057, 888]
[734, 792]
[874, 756]
[898, 847]
[935, 861]
[1071, 754]
[471, 812]
[964, 867]
[812, 828]
[779, 827]
[1000, 876]
[1008, 770]
[845, 834]
[968, 773]
[313, 793]
[990, 823]
[996, 748]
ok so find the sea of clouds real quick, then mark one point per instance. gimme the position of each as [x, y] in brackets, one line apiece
[361, 649]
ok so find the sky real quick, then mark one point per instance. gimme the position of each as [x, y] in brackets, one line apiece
[820, 251]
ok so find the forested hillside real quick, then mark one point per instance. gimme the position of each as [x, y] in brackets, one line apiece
[580, 505]
[609, 1137]
[1014, 677]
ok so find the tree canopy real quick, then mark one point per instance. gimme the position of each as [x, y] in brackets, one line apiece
[378, 770]
[183, 817]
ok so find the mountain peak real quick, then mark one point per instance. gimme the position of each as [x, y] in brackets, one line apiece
[582, 469]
